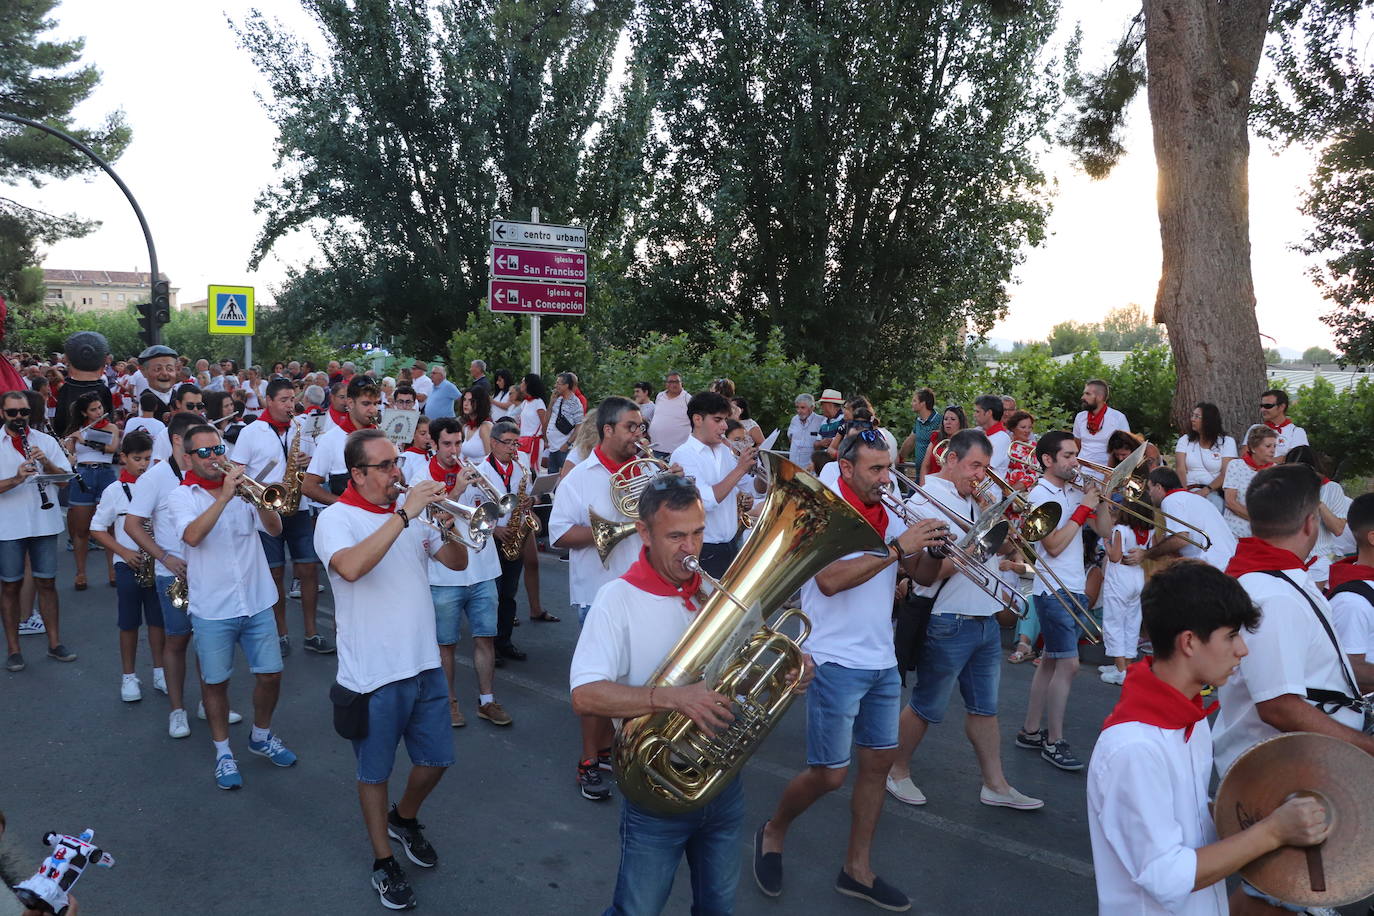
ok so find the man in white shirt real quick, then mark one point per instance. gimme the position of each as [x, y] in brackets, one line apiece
[1167, 492]
[508, 473]
[390, 684]
[987, 416]
[717, 470]
[263, 449]
[30, 521]
[1155, 847]
[1274, 414]
[963, 639]
[1297, 677]
[586, 490]
[802, 431]
[670, 427]
[856, 695]
[1095, 423]
[470, 591]
[327, 476]
[158, 367]
[148, 405]
[1060, 553]
[421, 382]
[231, 596]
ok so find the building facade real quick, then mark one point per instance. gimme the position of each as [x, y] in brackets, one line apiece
[100, 290]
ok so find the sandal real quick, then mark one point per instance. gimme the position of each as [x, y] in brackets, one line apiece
[1022, 652]
[80, 584]
[546, 617]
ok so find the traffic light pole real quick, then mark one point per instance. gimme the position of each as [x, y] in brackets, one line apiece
[159, 293]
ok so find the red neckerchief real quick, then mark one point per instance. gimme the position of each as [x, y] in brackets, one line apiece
[505, 474]
[18, 443]
[344, 422]
[281, 427]
[417, 451]
[1095, 420]
[1142, 534]
[126, 477]
[100, 424]
[1250, 461]
[1147, 699]
[607, 463]
[446, 476]
[1279, 428]
[193, 478]
[1173, 491]
[644, 577]
[994, 429]
[875, 515]
[474, 423]
[1349, 570]
[351, 497]
[1255, 555]
[336, 416]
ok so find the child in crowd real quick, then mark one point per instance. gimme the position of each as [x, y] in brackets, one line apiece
[415, 459]
[1121, 586]
[1352, 586]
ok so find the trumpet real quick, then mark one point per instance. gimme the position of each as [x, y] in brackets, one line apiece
[505, 502]
[630, 482]
[760, 466]
[272, 496]
[472, 525]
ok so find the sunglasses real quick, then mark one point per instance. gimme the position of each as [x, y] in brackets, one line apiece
[1264, 406]
[193, 405]
[16, 412]
[205, 451]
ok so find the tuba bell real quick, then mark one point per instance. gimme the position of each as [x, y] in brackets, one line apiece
[664, 761]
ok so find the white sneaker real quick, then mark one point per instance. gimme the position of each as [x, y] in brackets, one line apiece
[160, 682]
[177, 726]
[234, 718]
[1114, 677]
[33, 626]
[295, 590]
[1012, 799]
[1103, 669]
[128, 689]
[905, 791]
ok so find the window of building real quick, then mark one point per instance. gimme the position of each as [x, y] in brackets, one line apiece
[119, 296]
[104, 297]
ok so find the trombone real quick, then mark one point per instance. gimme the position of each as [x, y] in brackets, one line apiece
[1121, 479]
[472, 526]
[505, 502]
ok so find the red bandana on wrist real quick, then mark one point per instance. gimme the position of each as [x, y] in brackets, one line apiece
[1255, 555]
[1147, 699]
[446, 476]
[875, 515]
[281, 427]
[1349, 570]
[1251, 461]
[351, 497]
[126, 477]
[644, 577]
[1095, 420]
[193, 478]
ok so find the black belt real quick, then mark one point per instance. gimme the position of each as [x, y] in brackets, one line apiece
[95, 464]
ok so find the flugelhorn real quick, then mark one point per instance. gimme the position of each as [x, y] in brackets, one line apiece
[272, 496]
[505, 502]
[472, 525]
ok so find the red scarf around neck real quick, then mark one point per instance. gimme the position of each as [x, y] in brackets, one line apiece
[100, 424]
[644, 577]
[875, 515]
[126, 477]
[18, 443]
[607, 463]
[505, 472]
[345, 422]
[1251, 461]
[994, 429]
[1255, 555]
[351, 497]
[1279, 428]
[1147, 699]
[1095, 420]
[1142, 534]
[337, 416]
[1349, 570]
[192, 477]
[283, 426]
[417, 451]
[446, 476]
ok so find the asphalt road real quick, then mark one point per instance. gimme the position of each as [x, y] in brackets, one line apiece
[512, 832]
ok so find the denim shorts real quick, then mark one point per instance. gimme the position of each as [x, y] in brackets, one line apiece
[137, 605]
[42, 554]
[174, 620]
[451, 602]
[92, 479]
[1252, 891]
[1059, 630]
[415, 709]
[958, 649]
[297, 535]
[847, 706]
[215, 641]
[582, 611]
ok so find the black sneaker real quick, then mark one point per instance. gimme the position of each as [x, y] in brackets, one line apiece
[15, 662]
[1033, 741]
[767, 866]
[318, 644]
[1058, 753]
[60, 653]
[589, 781]
[881, 894]
[391, 885]
[604, 761]
[411, 839]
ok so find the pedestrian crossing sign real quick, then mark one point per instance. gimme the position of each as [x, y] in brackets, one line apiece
[231, 309]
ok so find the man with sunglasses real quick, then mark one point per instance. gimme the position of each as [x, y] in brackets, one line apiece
[231, 595]
[377, 557]
[856, 696]
[327, 475]
[508, 474]
[27, 530]
[716, 469]
[1274, 414]
[186, 399]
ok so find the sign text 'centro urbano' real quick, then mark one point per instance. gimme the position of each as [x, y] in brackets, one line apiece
[537, 298]
[548, 235]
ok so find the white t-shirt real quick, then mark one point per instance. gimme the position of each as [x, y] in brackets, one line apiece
[646, 410]
[424, 386]
[1238, 477]
[226, 573]
[1290, 436]
[958, 595]
[571, 409]
[21, 508]
[1068, 566]
[669, 427]
[414, 466]
[151, 424]
[1289, 653]
[1147, 817]
[1198, 510]
[1328, 547]
[1119, 581]
[110, 512]
[1093, 446]
[709, 465]
[328, 459]
[150, 502]
[85, 454]
[627, 634]
[483, 564]
[587, 488]
[262, 451]
[529, 417]
[138, 383]
[1353, 618]
[384, 622]
[1204, 464]
[1001, 445]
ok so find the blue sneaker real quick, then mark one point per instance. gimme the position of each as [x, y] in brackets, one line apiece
[273, 750]
[227, 773]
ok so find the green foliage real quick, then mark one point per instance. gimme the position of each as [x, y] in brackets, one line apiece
[1272, 356]
[1094, 133]
[1124, 328]
[1318, 355]
[1338, 424]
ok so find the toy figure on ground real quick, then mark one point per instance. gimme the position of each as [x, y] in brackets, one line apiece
[47, 890]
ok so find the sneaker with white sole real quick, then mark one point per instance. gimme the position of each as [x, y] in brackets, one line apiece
[1012, 799]
[273, 750]
[177, 726]
[33, 626]
[285, 643]
[160, 682]
[391, 885]
[234, 718]
[1114, 677]
[1058, 753]
[128, 689]
[1103, 669]
[227, 773]
[905, 791]
[295, 590]
[318, 644]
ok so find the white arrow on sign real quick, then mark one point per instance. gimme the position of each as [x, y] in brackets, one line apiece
[551, 235]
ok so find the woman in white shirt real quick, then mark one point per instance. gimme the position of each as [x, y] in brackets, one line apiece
[533, 410]
[503, 401]
[476, 416]
[1261, 442]
[1202, 455]
[93, 442]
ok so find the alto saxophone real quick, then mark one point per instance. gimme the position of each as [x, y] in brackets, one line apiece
[523, 520]
[293, 477]
[145, 573]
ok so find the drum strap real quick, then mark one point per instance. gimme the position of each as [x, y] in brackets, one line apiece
[1321, 697]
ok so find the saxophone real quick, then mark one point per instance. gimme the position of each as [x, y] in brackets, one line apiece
[523, 520]
[293, 477]
[145, 573]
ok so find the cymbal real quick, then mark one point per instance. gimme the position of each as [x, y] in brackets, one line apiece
[1341, 777]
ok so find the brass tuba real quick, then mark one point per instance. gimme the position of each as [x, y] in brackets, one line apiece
[665, 763]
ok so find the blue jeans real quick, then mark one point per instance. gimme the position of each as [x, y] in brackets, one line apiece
[651, 847]
[451, 602]
[41, 551]
[176, 620]
[297, 534]
[137, 605]
[962, 650]
[257, 635]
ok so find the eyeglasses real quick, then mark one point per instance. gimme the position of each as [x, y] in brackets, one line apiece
[508, 443]
[672, 482]
[384, 466]
[1264, 406]
[16, 412]
[205, 451]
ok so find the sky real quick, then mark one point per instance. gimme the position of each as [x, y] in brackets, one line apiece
[202, 151]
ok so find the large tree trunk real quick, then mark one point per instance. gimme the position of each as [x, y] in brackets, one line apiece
[1201, 57]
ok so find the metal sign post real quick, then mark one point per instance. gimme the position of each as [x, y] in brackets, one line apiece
[535, 320]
